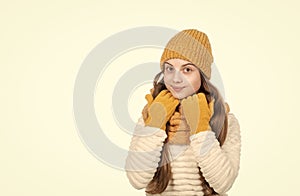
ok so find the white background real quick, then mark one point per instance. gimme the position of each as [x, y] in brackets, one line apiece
[255, 46]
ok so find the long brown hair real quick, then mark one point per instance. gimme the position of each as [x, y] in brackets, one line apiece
[218, 123]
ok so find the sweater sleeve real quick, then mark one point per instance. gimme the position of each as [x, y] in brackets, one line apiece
[219, 165]
[144, 154]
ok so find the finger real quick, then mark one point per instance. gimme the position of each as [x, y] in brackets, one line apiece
[176, 115]
[172, 108]
[151, 91]
[172, 103]
[189, 99]
[187, 102]
[175, 102]
[149, 98]
[175, 122]
[201, 97]
[145, 112]
[195, 96]
[169, 95]
[163, 93]
[183, 102]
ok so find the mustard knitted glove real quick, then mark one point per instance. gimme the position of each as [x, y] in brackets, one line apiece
[197, 112]
[149, 99]
[161, 110]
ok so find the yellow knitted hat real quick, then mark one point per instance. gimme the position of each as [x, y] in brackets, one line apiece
[190, 45]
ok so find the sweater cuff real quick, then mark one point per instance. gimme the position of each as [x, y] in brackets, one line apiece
[145, 131]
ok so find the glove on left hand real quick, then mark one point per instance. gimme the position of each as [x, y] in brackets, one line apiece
[197, 112]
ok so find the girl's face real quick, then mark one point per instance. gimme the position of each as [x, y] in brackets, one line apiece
[182, 78]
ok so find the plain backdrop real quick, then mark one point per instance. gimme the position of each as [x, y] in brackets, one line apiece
[43, 43]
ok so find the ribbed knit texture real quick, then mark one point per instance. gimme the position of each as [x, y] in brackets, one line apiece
[181, 133]
[190, 45]
[219, 165]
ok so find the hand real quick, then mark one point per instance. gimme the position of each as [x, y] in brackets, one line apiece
[197, 112]
[149, 99]
[178, 122]
[161, 110]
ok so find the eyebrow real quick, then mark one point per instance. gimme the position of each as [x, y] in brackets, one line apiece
[182, 65]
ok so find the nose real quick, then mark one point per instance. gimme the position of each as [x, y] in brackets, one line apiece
[177, 78]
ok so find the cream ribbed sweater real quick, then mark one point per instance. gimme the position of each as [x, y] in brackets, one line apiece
[219, 165]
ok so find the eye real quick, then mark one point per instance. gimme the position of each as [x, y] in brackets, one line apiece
[187, 70]
[169, 68]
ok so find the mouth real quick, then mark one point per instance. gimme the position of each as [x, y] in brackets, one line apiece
[177, 88]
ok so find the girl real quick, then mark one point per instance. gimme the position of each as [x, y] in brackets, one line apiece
[186, 142]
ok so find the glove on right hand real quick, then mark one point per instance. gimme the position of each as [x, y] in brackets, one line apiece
[161, 110]
[149, 99]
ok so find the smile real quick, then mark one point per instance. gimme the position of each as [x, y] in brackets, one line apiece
[177, 88]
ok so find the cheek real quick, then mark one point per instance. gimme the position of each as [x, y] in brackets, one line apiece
[196, 85]
[167, 82]
[195, 82]
[167, 79]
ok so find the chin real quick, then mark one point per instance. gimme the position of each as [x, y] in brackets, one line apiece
[178, 95]
[182, 95]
